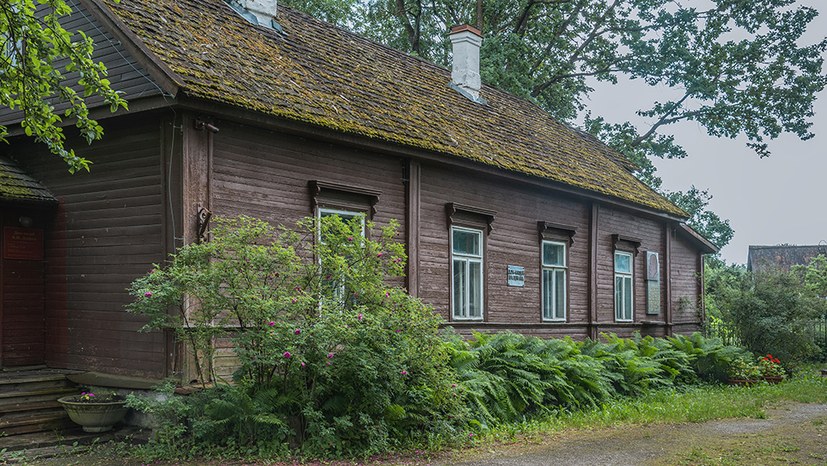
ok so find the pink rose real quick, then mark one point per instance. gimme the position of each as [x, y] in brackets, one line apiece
[148, 294]
[298, 331]
[287, 355]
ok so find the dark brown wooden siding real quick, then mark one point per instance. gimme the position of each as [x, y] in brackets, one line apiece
[686, 285]
[106, 232]
[265, 175]
[124, 72]
[514, 240]
[650, 233]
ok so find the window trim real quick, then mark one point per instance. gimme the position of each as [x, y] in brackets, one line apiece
[554, 268]
[340, 212]
[355, 197]
[468, 258]
[631, 276]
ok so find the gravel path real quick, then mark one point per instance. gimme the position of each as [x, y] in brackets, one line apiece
[800, 425]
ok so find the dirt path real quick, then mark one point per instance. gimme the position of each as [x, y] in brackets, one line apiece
[796, 433]
[793, 434]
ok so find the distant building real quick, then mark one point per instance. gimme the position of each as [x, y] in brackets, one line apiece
[781, 257]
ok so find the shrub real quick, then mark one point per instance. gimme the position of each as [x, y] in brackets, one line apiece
[773, 312]
[333, 360]
[508, 377]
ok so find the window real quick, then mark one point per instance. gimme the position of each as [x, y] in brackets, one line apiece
[345, 215]
[624, 291]
[336, 285]
[554, 281]
[466, 271]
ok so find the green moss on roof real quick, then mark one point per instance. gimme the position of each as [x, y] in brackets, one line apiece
[325, 76]
[16, 185]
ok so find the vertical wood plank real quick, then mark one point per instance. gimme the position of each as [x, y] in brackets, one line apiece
[667, 309]
[593, 253]
[412, 227]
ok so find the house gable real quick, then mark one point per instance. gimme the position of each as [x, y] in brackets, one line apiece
[126, 73]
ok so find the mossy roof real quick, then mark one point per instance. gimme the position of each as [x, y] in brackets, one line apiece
[326, 76]
[17, 186]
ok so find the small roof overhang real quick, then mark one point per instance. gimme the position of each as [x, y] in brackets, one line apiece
[17, 187]
[703, 244]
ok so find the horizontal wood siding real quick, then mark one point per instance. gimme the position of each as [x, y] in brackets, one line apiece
[124, 73]
[513, 241]
[651, 234]
[106, 232]
[686, 285]
[265, 175]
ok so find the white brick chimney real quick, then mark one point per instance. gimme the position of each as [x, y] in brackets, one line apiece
[262, 12]
[465, 68]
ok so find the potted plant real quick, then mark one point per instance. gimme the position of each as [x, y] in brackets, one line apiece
[743, 372]
[95, 412]
[771, 369]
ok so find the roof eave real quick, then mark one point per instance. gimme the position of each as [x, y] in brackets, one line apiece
[167, 79]
[706, 246]
[306, 129]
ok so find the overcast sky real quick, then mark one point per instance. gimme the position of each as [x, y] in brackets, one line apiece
[780, 199]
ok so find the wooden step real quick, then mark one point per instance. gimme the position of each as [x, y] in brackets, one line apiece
[34, 421]
[25, 398]
[38, 445]
[27, 386]
[16, 397]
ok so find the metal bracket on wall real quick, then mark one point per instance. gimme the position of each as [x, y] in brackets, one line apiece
[204, 216]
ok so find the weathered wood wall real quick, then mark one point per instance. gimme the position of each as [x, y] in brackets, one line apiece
[514, 240]
[265, 174]
[108, 230]
[686, 286]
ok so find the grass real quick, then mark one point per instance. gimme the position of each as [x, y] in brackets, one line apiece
[694, 404]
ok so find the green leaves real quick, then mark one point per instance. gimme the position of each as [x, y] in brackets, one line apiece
[36, 49]
[330, 355]
[507, 377]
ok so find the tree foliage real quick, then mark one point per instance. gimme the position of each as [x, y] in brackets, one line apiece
[44, 67]
[771, 311]
[331, 357]
[736, 68]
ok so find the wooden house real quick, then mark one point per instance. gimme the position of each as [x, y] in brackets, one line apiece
[513, 221]
[782, 257]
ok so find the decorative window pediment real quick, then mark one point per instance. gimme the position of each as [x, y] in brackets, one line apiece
[626, 243]
[463, 214]
[554, 231]
[343, 197]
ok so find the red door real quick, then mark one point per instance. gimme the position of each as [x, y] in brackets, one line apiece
[22, 287]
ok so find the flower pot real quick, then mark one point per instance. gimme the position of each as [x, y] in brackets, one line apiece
[94, 416]
[773, 379]
[745, 382]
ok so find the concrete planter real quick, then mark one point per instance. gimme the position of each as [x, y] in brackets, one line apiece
[94, 417]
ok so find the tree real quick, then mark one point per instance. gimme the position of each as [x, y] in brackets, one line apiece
[44, 67]
[734, 67]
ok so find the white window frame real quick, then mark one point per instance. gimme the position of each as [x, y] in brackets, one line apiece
[468, 259]
[320, 211]
[554, 269]
[341, 213]
[622, 314]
